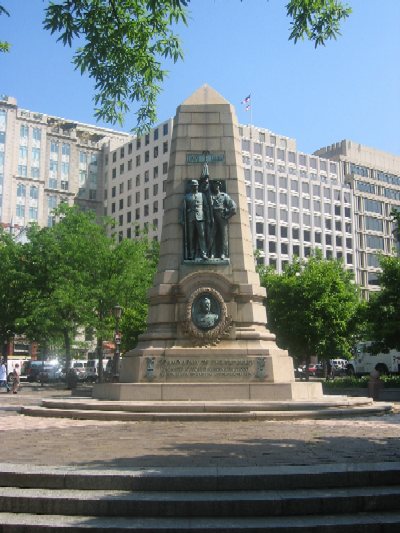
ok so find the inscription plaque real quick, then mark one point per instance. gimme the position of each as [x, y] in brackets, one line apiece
[206, 368]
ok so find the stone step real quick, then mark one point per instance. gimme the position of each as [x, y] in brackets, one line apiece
[84, 408]
[183, 504]
[153, 415]
[360, 523]
[353, 498]
[202, 479]
[178, 406]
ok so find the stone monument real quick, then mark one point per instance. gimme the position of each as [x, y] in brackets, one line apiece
[206, 337]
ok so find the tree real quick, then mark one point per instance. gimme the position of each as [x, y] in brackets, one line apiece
[313, 308]
[125, 42]
[384, 307]
[138, 261]
[58, 300]
[4, 46]
[75, 273]
[12, 284]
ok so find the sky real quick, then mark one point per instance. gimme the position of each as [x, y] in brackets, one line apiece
[349, 89]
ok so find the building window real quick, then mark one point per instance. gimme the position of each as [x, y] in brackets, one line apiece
[146, 156]
[156, 134]
[165, 129]
[24, 131]
[165, 168]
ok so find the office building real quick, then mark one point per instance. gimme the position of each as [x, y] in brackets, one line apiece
[337, 199]
[45, 160]
[373, 177]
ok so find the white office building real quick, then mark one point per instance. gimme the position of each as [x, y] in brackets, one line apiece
[337, 200]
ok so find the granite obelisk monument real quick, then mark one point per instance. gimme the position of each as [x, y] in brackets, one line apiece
[206, 337]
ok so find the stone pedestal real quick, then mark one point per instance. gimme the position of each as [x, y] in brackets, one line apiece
[230, 345]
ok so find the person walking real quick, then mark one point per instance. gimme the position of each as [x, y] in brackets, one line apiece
[16, 380]
[3, 375]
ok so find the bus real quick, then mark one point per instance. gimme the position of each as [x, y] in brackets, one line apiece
[364, 362]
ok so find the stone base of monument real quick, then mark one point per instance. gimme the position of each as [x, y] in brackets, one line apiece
[208, 392]
[239, 369]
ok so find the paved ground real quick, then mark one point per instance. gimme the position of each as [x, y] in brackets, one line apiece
[52, 441]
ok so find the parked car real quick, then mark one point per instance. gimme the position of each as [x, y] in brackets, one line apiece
[80, 369]
[42, 371]
[315, 369]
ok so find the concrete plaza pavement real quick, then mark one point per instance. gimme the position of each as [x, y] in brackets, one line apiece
[103, 444]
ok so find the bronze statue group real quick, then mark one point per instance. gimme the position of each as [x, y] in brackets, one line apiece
[205, 214]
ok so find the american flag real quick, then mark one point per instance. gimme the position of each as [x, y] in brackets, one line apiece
[246, 100]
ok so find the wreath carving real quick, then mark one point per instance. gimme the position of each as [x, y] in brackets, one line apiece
[211, 335]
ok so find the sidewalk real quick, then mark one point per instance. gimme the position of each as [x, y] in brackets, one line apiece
[82, 443]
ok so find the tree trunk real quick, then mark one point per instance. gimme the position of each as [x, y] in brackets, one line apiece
[99, 350]
[67, 344]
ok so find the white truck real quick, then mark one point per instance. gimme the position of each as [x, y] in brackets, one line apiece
[364, 361]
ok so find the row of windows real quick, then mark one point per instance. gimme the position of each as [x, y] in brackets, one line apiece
[24, 132]
[146, 143]
[296, 233]
[20, 212]
[55, 148]
[129, 167]
[129, 187]
[296, 251]
[273, 213]
[21, 191]
[374, 174]
[328, 239]
[138, 213]
[288, 156]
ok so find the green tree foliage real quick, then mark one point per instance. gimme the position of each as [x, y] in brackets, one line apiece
[313, 308]
[137, 260]
[67, 278]
[123, 43]
[12, 283]
[4, 46]
[59, 260]
[384, 307]
[316, 20]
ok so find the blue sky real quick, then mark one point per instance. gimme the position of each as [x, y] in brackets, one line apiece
[349, 89]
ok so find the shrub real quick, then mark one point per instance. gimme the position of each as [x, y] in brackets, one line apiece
[353, 382]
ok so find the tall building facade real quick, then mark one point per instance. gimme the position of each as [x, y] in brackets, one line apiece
[297, 202]
[337, 200]
[46, 160]
[373, 177]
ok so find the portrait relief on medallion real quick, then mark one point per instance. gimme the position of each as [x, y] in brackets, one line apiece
[206, 316]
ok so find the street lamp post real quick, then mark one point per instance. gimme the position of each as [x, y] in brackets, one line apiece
[117, 313]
